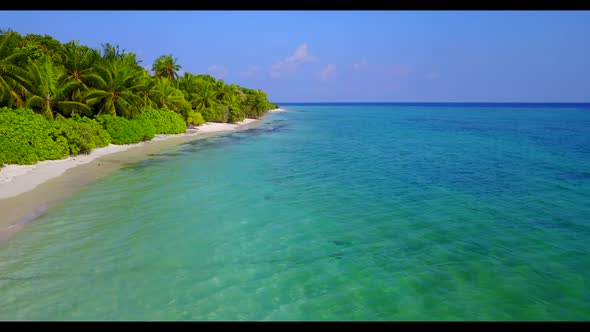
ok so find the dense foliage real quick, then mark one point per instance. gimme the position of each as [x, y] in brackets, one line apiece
[81, 134]
[195, 118]
[27, 137]
[165, 122]
[84, 98]
[64, 79]
[125, 131]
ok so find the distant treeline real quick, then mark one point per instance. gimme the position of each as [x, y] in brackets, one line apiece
[102, 96]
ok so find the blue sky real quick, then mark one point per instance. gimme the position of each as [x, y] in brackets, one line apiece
[307, 56]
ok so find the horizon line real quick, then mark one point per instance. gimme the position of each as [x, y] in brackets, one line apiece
[432, 102]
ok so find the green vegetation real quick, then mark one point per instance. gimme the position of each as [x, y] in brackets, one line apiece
[164, 121]
[195, 118]
[63, 99]
[82, 134]
[27, 137]
[124, 131]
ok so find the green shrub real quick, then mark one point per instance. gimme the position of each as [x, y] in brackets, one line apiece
[217, 113]
[100, 136]
[207, 114]
[145, 127]
[73, 141]
[124, 131]
[195, 118]
[235, 115]
[27, 137]
[82, 134]
[164, 121]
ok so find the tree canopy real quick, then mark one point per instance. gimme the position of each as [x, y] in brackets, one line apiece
[60, 80]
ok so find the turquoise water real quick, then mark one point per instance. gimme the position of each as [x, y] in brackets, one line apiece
[327, 212]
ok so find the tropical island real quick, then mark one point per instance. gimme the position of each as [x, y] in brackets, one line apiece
[431, 166]
[65, 99]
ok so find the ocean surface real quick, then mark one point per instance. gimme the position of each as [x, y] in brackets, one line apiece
[328, 212]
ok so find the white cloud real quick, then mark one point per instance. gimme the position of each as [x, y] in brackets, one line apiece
[361, 65]
[327, 72]
[291, 63]
[217, 71]
[252, 72]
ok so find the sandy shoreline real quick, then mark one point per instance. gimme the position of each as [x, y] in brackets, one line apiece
[277, 110]
[27, 191]
[17, 179]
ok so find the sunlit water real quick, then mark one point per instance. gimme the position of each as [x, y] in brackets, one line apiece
[327, 212]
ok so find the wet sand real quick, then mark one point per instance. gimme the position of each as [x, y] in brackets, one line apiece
[17, 210]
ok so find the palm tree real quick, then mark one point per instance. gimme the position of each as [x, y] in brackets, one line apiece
[130, 59]
[145, 94]
[235, 108]
[116, 89]
[166, 66]
[204, 98]
[111, 52]
[239, 91]
[256, 103]
[188, 84]
[12, 94]
[223, 90]
[165, 95]
[79, 65]
[12, 78]
[232, 101]
[47, 93]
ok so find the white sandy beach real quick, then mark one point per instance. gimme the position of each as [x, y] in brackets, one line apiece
[17, 179]
[277, 110]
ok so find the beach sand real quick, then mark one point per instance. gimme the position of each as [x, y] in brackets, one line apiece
[26, 191]
[17, 179]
